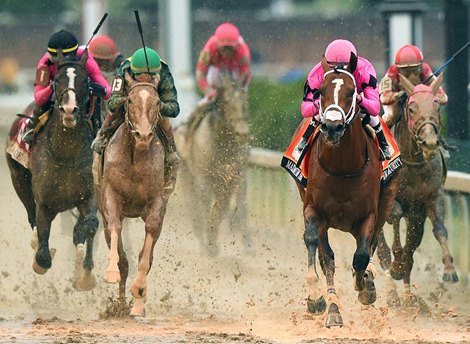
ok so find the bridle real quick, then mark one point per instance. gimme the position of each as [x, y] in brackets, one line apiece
[334, 107]
[127, 119]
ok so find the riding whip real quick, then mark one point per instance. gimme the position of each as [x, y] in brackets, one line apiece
[97, 29]
[436, 73]
[137, 19]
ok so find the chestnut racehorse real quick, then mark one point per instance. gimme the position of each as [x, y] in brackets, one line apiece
[420, 189]
[129, 182]
[59, 176]
[343, 192]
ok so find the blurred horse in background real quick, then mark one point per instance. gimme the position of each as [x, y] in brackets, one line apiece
[129, 182]
[420, 190]
[55, 175]
[344, 191]
[215, 151]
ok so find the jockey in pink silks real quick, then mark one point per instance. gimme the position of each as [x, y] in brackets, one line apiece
[47, 69]
[339, 52]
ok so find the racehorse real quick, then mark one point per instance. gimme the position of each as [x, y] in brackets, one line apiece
[343, 192]
[420, 192]
[215, 151]
[59, 176]
[129, 182]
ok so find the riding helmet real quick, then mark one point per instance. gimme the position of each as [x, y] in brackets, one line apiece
[408, 56]
[339, 51]
[227, 34]
[103, 47]
[62, 40]
[139, 62]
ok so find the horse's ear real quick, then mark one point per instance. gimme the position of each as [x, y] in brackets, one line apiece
[436, 83]
[325, 65]
[352, 63]
[406, 84]
[129, 79]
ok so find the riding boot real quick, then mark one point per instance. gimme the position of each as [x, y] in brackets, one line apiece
[383, 144]
[30, 133]
[110, 124]
[299, 148]
[171, 156]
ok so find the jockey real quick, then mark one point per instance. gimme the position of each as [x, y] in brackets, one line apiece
[225, 50]
[339, 52]
[47, 69]
[409, 62]
[136, 66]
[104, 51]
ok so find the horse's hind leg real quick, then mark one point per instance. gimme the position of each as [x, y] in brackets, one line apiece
[153, 228]
[84, 232]
[436, 213]
[21, 178]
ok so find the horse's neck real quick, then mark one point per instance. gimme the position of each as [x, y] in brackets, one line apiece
[67, 144]
[350, 153]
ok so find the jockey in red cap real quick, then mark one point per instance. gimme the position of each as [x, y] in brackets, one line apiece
[409, 62]
[105, 52]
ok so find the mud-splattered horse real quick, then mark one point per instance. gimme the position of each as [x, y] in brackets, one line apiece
[60, 177]
[343, 192]
[129, 181]
[215, 153]
[420, 190]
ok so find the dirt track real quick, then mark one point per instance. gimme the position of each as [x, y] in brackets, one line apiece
[234, 298]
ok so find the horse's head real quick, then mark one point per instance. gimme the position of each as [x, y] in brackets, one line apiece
[230, 104]
[422, 114]
[71, 88]
[337, 99]
[143, 108]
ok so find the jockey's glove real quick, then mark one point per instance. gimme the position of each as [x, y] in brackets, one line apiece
[97, 90]
[400, 97]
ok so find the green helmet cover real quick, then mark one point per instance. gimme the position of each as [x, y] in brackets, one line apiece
[139, 63]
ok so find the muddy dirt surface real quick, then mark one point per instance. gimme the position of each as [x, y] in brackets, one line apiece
[255, 295]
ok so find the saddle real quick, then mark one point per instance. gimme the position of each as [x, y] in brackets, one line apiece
[297, 164]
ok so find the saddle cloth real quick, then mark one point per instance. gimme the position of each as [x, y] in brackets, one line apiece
[297, 164]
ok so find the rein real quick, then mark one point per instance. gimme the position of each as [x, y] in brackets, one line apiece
[345, 175]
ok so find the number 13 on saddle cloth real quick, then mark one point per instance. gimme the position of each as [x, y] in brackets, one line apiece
[296, 163]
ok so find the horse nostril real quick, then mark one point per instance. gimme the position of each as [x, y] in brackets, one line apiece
[339, 128]
[137, 135]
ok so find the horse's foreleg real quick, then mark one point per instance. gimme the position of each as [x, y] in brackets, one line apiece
[396, 270]
[111, 213]
[316, 303]
[43, 258]
[241, 214]
[84, 232]
[327, 262]
[436, 212]
[153, 227]
[219, 208]
[385, 258]
[414, 235]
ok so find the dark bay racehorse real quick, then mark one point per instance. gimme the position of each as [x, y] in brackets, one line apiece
[59, 177]
[420, 190]
[129, 182]
[215, 153]
[343, 192]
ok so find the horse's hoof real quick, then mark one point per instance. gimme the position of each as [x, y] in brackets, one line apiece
[450, 277]
[317, 306]
[393, 300]
[85, 283]
[38, 269]
[112, 277]
[368, 295]
[334, 317]
[138, 309]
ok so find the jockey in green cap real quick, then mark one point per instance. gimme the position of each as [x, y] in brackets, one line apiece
[140, 66]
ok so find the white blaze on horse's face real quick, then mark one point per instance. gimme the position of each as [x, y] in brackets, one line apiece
[338, 83]
[72, 100]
